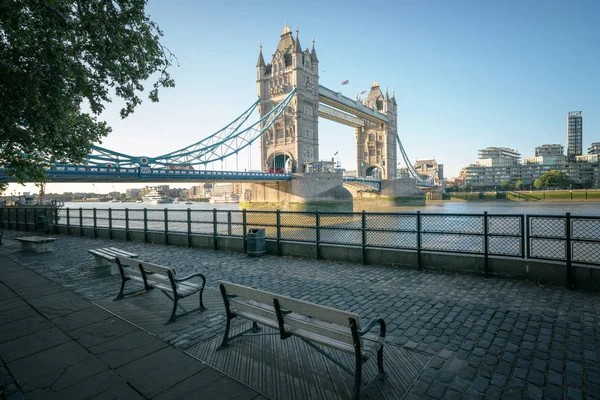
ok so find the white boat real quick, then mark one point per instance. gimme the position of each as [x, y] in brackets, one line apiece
[156, 197]
[227, 198]
[188, 202]
[176, 201]
[139, 201]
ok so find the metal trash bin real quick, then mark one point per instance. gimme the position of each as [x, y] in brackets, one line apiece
[41, 224]
[255, 242]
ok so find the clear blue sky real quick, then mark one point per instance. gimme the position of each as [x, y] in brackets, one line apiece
[467, 74]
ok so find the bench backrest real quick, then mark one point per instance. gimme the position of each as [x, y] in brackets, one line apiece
[154, 272]
[322, 313]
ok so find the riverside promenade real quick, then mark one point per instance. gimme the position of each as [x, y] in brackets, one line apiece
[478, 338]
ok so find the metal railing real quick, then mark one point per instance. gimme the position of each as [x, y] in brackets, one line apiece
[562, 238]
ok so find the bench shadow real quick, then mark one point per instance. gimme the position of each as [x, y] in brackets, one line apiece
[290, 369]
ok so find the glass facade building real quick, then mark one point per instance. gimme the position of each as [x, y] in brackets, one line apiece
[574, 135]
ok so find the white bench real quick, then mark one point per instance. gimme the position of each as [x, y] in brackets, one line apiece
[162, 278]
[39, 244]
[107, 256]
[312, 323]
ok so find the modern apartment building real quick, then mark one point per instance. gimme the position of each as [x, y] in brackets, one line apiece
[492, 172]
[594, 148]
[547, 150]
[574, 134]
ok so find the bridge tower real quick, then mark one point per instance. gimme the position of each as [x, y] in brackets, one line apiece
[376, 143]
[294, 137]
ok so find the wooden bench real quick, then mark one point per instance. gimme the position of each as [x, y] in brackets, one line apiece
[107, 256]
[312, 323]
[162, 278]
[39, 244]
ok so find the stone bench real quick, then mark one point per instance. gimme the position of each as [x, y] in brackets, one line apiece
[312, 323]
[39, 244]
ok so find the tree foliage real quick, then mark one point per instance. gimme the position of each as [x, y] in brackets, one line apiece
[59, 57]
[553, 179]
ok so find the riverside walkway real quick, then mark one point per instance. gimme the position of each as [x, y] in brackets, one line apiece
[467, 337]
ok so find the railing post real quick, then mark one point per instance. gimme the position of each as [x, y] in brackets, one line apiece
[68, 221]
[17, 217]
[318, 233]
[528, 232]
[81, 233]
[110, 232]
[145, 225]
[35, 219]
[244, 230]
[55, 218]
[126, 224]
[215, 231]
[364, 236]
[570, 283]
[228, 223]
[523, 234]
[485, 245]
[419, 244]
[278, 224]
[166, 226]
[189, 227]
[95, 223]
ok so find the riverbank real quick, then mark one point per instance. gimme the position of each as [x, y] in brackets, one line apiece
[543, 195]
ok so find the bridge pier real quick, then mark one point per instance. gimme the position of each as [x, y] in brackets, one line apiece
[393, 193]
[326, 191]
[306, 191]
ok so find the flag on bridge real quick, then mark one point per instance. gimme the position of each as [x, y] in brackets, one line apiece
[345, 82]
[336, 153]
[363, 92]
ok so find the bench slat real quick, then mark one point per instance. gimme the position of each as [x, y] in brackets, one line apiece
[367, 351]
[121, 252]
[336, 332]
[323, 313]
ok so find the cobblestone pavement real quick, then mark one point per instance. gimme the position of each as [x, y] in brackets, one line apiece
[490, 338]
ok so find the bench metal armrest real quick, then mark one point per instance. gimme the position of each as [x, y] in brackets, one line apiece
[197, 274]
[370, 326]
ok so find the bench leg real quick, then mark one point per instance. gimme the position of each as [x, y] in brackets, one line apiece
[225, 341]
[357, 376]
[173, 317]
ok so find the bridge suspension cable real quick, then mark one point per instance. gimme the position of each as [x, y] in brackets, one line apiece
[228, 141]
[411, 170]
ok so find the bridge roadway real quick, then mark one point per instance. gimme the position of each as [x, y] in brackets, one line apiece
[74, 173]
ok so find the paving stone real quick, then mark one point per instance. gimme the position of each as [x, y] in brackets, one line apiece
[127, 348]
[154, 380]
[437, 390]
[32, 343]
[480, 384]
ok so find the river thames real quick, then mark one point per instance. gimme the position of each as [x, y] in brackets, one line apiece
[444, 207]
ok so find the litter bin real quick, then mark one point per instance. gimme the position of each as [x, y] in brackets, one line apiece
[255, 242]
[41, 224]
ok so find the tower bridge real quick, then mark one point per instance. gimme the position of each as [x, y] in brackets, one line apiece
[291, 100]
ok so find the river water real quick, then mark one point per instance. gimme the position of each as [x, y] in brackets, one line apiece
[443, 207]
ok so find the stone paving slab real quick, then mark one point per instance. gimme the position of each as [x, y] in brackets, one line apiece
[129, 347]
[490, 338]
[61, 346]
[162, 370]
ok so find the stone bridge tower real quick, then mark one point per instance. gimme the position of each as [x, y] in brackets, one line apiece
[294, 137]
[376, 143]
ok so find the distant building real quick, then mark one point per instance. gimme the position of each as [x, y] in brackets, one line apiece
[574, 134]
[132, 193]
[548, 150]
[498, 157]
[220, 189]
[594, 148]
[545, 160]
[426, 167]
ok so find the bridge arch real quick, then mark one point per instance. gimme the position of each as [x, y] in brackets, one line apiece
[374, 172]
[280, 161]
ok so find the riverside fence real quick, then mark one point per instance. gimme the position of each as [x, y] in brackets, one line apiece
[566, 238]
